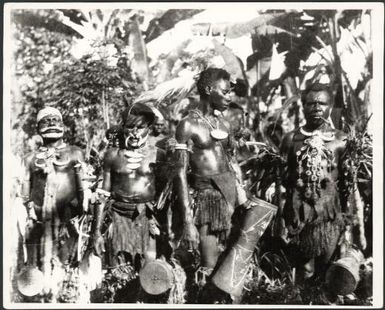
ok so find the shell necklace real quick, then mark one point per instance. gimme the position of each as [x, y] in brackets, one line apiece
[310, 160]
[324, 136]
[215, 133]
[134, 157]
[48, 155]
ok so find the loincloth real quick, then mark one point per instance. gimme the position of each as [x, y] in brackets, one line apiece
[128, 231]
[214, 201]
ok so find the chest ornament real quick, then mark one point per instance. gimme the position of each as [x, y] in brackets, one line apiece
[215, 132]
[133, 159]
[46, 158]
[312, 160]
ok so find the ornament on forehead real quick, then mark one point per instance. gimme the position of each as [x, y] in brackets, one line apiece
[48, 111]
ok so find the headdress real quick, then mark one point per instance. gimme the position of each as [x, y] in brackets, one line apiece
[144, 109]
[48, 111]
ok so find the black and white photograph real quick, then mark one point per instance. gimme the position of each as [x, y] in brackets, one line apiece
[187, 155]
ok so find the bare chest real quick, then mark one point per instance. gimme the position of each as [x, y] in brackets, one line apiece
[203, 133]
[126, 165]
[62, 162]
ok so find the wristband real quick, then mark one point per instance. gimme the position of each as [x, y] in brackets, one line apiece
[24, 199]
[103, 192]
[241, 193]
[29, 205]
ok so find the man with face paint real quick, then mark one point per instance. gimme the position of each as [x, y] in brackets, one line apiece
[206, 163]
[52, 192]
[312, 210]
[129, 180]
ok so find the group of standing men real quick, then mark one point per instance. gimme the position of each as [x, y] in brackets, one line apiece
[207, 186]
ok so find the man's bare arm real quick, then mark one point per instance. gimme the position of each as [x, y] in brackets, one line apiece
[26, 187]
[103, 195]
[182, 136]
[26, 182]
[233, 144]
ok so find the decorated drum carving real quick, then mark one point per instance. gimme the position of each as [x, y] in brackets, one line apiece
[156, 277]
[230, 275]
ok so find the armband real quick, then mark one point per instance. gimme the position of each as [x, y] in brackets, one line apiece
[103, 192]
[181, 146]
[29, 206]
[25, 199]
[241, 194]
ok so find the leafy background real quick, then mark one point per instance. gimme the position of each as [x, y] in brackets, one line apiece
[92, 63]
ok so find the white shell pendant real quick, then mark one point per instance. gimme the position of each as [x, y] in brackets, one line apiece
[61, 163]
[133, 166]
[218, 134]
[134, 154]
[134, 159]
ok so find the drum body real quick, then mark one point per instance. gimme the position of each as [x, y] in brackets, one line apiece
[30, 281]
[343, 275]
[156, 277]
[230, 275]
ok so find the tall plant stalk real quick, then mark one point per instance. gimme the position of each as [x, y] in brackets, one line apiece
[105, 110]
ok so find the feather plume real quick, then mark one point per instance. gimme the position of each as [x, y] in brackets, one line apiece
[170, 91]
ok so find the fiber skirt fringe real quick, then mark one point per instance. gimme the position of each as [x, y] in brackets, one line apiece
[127, 235]
[212, 210]
[319, 238]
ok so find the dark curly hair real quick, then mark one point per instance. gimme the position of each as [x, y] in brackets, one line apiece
[208, 77]
[138, 110]
[316, 87]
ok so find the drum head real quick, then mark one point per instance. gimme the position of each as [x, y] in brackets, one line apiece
[156, 277]
[340, 280]
[30, 281]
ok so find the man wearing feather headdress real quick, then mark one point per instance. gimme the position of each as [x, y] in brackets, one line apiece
[313, 212]
[130, 188]
[206, 163]
[53, 194]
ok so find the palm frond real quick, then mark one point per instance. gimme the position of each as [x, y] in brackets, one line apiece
[286, 105]
[232, 62]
